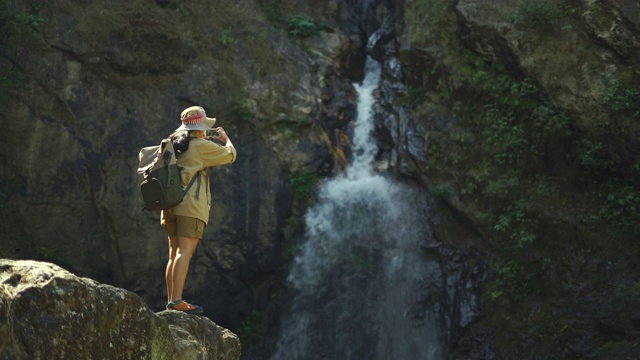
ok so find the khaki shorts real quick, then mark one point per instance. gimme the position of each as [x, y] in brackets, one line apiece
[182, 225]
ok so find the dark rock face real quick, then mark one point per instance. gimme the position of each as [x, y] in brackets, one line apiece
[48, 313]
[105, 79]
[573, 63]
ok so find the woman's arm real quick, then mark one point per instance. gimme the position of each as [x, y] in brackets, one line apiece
[214, 154]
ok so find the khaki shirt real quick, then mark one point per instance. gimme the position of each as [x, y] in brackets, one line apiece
[201, 155]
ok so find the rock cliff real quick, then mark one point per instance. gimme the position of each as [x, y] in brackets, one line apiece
[522, 116]
[518, 117]
[96, 81]
[48, 313]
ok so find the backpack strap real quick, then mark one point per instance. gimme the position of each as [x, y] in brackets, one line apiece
[167, 157]
[199, 183]
[193, 180]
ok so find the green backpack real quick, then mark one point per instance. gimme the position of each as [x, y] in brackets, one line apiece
[160, 187]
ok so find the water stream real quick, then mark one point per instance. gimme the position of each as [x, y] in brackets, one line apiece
[361, 279]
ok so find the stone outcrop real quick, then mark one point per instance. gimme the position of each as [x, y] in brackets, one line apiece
[48, 313]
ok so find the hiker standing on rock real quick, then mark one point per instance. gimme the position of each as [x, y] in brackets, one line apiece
[186, 221]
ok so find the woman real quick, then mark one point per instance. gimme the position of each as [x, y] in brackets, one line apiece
[186, 221]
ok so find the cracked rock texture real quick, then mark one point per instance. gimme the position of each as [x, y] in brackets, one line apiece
[48, 313]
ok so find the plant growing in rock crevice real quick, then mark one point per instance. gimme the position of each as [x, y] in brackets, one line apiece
[539, 12]
[18, 32]
[516, 221]
[302, 184]
[427, 16]
[303, 25]
[622, 98]
[621, 206]
[17, 25]
[253, 327]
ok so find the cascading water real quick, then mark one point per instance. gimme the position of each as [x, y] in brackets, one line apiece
[361, 276]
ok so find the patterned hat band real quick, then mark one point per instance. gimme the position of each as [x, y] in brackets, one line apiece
[197, 118]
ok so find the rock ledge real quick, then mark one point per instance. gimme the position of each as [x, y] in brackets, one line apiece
[48, 313]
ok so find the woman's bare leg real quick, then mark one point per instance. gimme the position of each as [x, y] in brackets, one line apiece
[173, 250]
[185, 249]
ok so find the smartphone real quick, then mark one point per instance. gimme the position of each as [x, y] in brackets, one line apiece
[212, 133]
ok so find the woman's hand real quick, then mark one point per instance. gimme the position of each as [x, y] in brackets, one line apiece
[222, 135]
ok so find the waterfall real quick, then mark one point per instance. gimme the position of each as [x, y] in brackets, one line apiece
[361, 276]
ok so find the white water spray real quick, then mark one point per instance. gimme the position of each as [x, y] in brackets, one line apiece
[359, 276]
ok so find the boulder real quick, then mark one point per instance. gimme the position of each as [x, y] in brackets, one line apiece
[47, 312]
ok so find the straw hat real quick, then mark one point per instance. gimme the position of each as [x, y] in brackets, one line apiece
[194, 118]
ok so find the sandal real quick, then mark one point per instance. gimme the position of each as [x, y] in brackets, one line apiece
[184, 306]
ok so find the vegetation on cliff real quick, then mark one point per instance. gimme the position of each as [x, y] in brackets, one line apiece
[550, 184]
